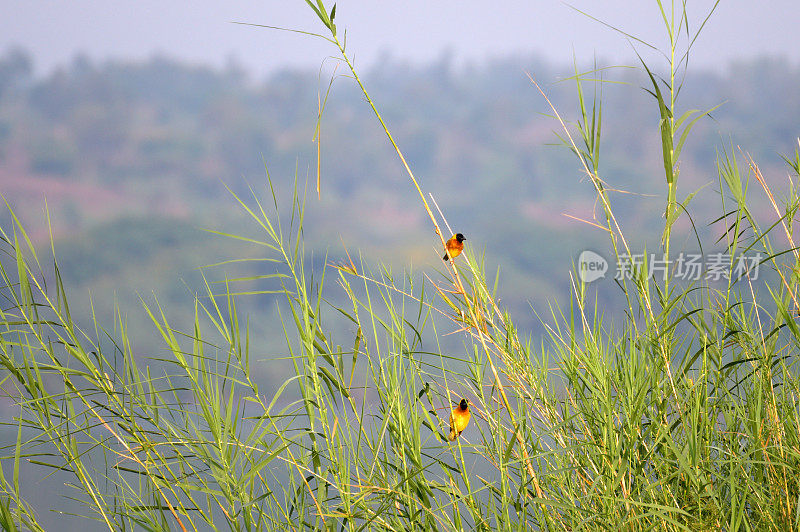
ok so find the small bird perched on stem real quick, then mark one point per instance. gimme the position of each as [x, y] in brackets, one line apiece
[454, 246]
[459, 419]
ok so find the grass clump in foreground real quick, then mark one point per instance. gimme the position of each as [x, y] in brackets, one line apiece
[683, 417]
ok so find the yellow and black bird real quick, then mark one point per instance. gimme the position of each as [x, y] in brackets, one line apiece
[454, 246]
[459, 419]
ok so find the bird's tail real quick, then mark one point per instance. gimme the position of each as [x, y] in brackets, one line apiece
[445, 258]
[452, 435]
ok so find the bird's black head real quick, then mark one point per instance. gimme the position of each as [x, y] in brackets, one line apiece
[460, 237]
[463, 404]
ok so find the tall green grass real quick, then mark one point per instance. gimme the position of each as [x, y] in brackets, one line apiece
[684, 416]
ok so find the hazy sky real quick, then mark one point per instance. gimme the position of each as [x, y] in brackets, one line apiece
[201, 31]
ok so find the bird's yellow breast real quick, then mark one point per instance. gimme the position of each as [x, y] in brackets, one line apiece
[459, 419]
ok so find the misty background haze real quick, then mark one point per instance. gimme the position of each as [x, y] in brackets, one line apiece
[130, 119]
[414, 30]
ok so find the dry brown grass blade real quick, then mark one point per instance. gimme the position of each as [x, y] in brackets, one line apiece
[760, 177]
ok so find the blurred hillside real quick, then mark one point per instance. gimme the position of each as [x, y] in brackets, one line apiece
[132, 160]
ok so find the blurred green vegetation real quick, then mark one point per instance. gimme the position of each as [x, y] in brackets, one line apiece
[133, 158]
